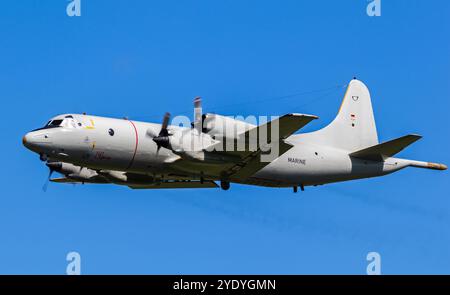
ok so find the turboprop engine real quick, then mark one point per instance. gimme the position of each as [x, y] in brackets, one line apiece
[72, 171]
[206, 131]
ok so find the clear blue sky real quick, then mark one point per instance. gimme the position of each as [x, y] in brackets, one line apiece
[143, 58]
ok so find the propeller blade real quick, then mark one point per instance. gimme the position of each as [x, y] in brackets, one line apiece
[164, 125]
[198, 116]
[151, 133]
[52, 166]
[45, 186]
[197, 109]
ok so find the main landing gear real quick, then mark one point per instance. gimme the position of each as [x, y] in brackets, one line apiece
[225, 185]
[302, 187]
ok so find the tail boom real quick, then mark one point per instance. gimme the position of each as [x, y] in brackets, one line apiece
[428, 165]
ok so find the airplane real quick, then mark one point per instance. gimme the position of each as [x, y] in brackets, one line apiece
[140, 155]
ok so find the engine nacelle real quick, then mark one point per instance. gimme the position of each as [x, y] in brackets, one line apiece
[222, 127]
[72, 171]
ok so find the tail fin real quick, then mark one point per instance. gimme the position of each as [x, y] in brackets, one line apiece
[354, 126]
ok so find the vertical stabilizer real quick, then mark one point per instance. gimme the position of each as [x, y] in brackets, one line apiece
[354, 126]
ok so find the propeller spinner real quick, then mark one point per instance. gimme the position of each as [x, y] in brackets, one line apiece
[162, 140]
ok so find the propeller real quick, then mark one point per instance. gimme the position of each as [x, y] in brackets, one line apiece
[52, 166]
[162, 139]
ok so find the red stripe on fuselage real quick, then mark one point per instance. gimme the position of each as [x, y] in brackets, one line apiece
[136, 146]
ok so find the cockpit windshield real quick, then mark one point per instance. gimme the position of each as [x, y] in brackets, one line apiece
[67, 122]
[54, 123]
[51, 124]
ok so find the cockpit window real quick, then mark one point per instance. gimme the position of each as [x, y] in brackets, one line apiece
[67, 122]
[55, 123]
[51, 124]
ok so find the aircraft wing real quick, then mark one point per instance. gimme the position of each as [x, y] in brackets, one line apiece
[252, 163]
[251, 160]
[64, 180]
[160, 185]
[176, 184]
[74, 181]
[285, 125]
[288, 124]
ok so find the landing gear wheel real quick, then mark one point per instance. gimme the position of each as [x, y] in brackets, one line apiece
[225, 185]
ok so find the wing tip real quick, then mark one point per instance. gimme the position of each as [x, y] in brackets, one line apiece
[313, 117]
[418, 136]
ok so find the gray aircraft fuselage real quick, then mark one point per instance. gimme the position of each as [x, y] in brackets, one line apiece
[122, 146]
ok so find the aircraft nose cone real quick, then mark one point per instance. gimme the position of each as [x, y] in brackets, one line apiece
[26, 140]
[36, 141]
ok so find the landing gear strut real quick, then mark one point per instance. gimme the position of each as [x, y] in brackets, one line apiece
[225, 185]
[302, 187]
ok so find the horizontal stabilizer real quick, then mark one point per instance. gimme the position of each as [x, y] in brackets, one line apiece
[386, 149]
